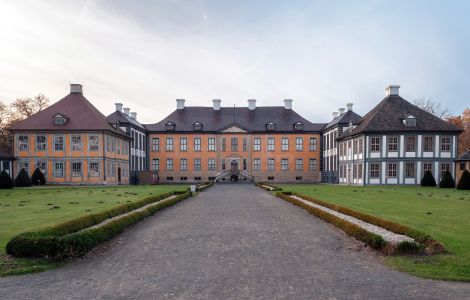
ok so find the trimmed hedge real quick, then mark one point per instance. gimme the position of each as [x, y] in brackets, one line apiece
[75, 237]
[464, 181]
[5, 180]
[38, 177]
[447, 182]
[428, 179]
[23, 180]
[204, 186]
[268, 187]
[373, 240]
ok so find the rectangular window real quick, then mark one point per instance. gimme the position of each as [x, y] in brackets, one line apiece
[427, 167]
[183, 164]
[299, 144]
[76, 169]
[410, 144]
[58, 143]
[284, 164]
[183, 144]
[169, 144]
[360, 146]
[393, 143]
[59, 167]
[197, 144]
[374, 171]
[169, 164]
[118, 146]
[23, 165]
[42, 165]
[245, 145]
[211, 144]
[197, 164]
[223, 163]
[155, 144]
[285, 144]
[234, 143]
[355, 146]
[271, 144]
[312, 165]
[444, 168]
[76, 143]
[375, 144]
[313, 144]
[257, 144]
[428, 144]
[211, 164]
[23, 142]
[93, 142]
[462, 166]
[410, 170]
[155, 164]
[270, 163]
[41, 143]
[359, 171]
[299, 164]
[392, 170]
[223, 146]
[445, 144]
[256, 164]
[94, 168]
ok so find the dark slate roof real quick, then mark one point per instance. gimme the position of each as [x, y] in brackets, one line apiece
[122, 118]
[388, 116]
[81, 114]
[345, 118]
[464, 157]
[249, 120]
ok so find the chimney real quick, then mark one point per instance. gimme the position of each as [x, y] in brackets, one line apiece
[134, 115]
[392, 90]
[288, 103]
[180, 103]
[76, 88]
[118, 106]
[216, 104]
[349, 106]
[335, 114]
[251, 104]
[126, 111]
[341, 111]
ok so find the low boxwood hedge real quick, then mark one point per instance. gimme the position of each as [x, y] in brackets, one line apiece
[268, 187]
[75, 237]
[204, 186]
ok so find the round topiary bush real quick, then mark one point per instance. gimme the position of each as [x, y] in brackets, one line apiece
[447, 182]
[464, 182]
[38, 177]
[23, 180]
[428, 179]
[5, 180]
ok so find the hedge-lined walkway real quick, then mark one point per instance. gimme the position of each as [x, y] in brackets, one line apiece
[232, 241]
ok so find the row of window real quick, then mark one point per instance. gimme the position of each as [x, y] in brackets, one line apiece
[76, 143]
[58, 168]
[211, 164]
[392, 170]
[211, 144]
[410, 143]
[351, 146]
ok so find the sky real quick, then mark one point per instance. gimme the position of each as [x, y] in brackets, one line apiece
[322, 54]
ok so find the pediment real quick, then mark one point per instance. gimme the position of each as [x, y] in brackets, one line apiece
[234, 129]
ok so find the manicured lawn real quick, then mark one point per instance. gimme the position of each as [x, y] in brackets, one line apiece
[442, 213]
[30, 208]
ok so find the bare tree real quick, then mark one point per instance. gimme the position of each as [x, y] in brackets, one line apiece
[432, 107]
[26, 107]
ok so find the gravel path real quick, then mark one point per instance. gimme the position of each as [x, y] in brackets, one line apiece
[230, 242]
[387, 235]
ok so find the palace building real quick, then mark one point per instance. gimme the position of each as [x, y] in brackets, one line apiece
[72, 143]
[271, 143]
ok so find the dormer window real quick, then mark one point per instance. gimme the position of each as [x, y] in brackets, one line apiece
[59, 120]
[298, 126]
[170, 126]
[409, 121]
[271, 126]
[197, 126]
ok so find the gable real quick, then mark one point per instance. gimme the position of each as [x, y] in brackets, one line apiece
[234, 129]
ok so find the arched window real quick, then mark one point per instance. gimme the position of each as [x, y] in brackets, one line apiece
[298, 126]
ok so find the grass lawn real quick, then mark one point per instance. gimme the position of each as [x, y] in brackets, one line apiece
[442, 213]
[25, 209]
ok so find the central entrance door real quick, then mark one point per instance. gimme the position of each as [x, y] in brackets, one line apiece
[234, 171]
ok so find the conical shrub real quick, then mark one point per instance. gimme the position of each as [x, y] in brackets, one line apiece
[428, 179]
[5, 180]
[23, 179]
[447, 182]
[38, 177]
[464, 181]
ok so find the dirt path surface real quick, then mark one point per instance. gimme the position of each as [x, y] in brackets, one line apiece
[230, 242]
